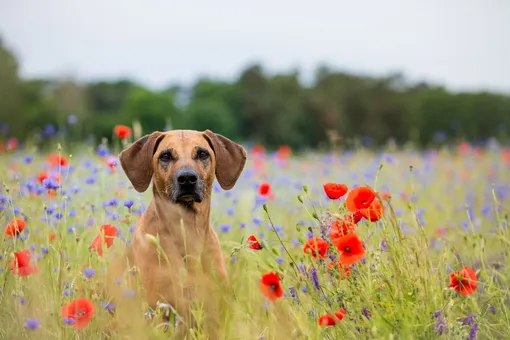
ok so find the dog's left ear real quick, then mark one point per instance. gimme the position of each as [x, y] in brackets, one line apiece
[230, 159]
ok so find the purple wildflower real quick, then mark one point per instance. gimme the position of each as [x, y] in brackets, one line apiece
[50, 184]
[32, 324]
[89, 272]
[28, 159]
[128, 204]
[68, 321]
[315, 279]
[440, 327]
[225, 228]
[473, 332]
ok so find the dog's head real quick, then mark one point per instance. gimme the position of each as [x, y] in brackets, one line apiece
[183, 164]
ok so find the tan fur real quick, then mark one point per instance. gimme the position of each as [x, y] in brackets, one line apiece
[193, 261]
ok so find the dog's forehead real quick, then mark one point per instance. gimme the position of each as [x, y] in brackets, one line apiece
[182, 139]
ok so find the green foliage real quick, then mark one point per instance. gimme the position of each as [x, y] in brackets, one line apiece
[258, 107]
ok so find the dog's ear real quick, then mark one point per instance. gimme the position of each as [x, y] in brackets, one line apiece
[136, 160]
[230, 159]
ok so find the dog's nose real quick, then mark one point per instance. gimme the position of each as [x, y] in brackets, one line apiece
[187, 177]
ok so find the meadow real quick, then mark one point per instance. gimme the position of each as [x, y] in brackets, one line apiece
[442, 210]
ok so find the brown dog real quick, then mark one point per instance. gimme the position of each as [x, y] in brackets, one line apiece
[181, 268]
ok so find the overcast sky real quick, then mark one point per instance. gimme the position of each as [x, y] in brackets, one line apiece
[463, 44]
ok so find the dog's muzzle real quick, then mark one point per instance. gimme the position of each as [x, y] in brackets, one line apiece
[188, 187]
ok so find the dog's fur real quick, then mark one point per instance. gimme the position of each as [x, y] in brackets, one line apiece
[187, 260]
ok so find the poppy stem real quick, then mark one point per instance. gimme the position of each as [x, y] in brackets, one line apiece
[281, 242]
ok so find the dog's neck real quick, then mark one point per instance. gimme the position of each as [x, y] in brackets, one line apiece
[170, 216]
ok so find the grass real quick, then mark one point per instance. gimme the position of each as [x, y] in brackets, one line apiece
[446, 210]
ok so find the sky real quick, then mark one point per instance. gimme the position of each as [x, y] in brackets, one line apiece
[461, 44]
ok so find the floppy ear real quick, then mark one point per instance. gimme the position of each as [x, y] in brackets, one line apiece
[136, 160]
[230, 159]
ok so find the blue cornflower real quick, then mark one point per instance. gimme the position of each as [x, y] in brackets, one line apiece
[230, 211]
[103, 151]
[50, 184]
[108, 306]
[128, 204]
[50, 210]
[32, 324]
[22, 300]
[68, 292]
[71, 229]
[68, 321]
[304, 289]
[257, 220]
[384, 245]
[280, 260]
[28, 159]
[111, 203]
[45, 250]
[32, 247]
[243, 225]
[72, 213]
[225, 228]
[59, 215]
[90, 180]
[89, 272]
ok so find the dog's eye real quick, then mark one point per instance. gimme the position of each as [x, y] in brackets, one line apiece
[202, 154]
[166, 156]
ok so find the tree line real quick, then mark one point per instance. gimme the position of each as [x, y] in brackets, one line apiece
[258, 107]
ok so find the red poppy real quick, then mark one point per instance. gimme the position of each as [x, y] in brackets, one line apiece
[57, 160]
[21, 264]
[351, 249]
[326, 320]
[270, 286]
[258, 150]
[385, 196]
[464, 281]
[81, 310]
[52, 237]
[354, 217]
[12, 144]
[108, 232]
[264, 188]
[334, 191]
[339, 229]
[283, 152]
[359, 198]
[339, 314]
[316, 247]
[253, 243]
[42, 176]
[122, 131]
[374, 212]
[15, 227]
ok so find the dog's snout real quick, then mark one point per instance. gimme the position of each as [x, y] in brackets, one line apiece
[187, 177]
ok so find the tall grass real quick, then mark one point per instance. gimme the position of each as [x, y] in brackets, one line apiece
[446, 210]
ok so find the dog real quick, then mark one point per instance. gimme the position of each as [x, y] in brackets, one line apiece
[174, 250]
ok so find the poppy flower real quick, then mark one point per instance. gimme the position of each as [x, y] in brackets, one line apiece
[12, 144]
[52, 237]
[80, 310]
[15, 227]
[464, 281]
[316, 247]
[42, 176]
[344, 271]
[253, 243]
[326, 320]
[122, 131]
[334, 191]
[283, 152]
[57, 160]
[354, 218]
[270, 286]
[108, 232]
[339, 229]
[359, 198]
[351, 249]
[374, 212]
[339, 314]
[21, 264]
[264, 188]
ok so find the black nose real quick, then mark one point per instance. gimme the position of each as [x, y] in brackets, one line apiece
[186, 177]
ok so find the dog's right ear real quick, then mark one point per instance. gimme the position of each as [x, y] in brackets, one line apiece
[136, 160]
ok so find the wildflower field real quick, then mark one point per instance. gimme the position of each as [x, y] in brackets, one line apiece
[343, 245]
